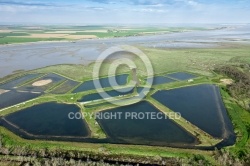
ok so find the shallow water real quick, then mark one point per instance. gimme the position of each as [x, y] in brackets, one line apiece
[65, 87]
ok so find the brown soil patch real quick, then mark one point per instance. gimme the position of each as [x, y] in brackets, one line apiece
[42, 82]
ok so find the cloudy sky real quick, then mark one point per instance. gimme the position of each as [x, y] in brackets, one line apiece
[124, 11]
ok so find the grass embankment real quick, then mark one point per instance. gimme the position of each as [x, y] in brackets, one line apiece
[121, 152]
[241, 121]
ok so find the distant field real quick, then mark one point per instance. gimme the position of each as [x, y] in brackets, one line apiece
[19, 34]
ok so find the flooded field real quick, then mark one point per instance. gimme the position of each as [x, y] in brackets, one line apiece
[201, 105]
[65, 87]
[89, 85]
[143, 131]
[48, 119]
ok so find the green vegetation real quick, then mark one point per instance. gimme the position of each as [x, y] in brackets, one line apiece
[240, 87]
[241, 122]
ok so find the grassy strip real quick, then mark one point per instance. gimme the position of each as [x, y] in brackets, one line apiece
[96, 130]
[11, 140]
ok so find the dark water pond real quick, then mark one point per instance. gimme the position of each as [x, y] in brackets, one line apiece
[50, 119]
[111, 93]
[89, 85]
[13, 83]
[201, 105]
[142, 131]
[160, 80]
[13, 97]
[181, 76]
[65, 87]
[55, 80]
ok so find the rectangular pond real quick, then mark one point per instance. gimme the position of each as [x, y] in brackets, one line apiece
[160, 80]
[142, 130]
[55, 79]
[102, 95]
[181, 76]
[48, 119]
[13, 97]
[18, 81]
[65, 87]
[201, 105]
[89, 85]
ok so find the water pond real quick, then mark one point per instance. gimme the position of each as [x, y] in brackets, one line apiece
[89, 85]
[143, 130]
[13, 97]
[55, 79]
[14, 83]
[201, 105]
[181, 76]
[49, 119]
[160, 80]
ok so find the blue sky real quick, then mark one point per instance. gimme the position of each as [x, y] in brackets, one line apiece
[124, 11]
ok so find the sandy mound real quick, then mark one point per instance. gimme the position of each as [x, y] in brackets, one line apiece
[2, 91]
[226, 81]
[42, 82]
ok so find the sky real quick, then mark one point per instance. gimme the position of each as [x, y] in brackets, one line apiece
[124, 11]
